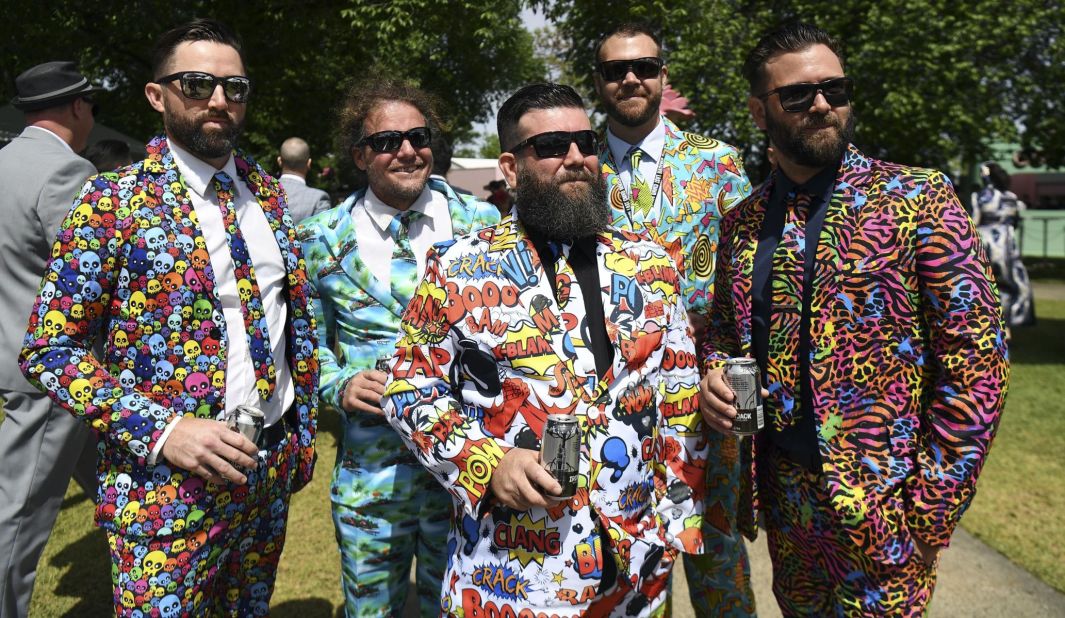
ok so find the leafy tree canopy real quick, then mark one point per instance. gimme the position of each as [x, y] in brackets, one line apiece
[301, 56]
[936, 82]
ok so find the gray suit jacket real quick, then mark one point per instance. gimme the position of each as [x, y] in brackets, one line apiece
[304, 201]
[39, 180]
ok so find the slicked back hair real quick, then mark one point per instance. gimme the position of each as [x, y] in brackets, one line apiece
[788, 38]
[627, 29]
[527, 99]
[365, 96]
[199, 29]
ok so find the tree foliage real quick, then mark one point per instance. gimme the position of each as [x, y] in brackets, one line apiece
[936, 82]
[301, 56]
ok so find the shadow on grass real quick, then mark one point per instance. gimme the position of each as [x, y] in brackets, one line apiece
[305, 608]
[89, 581]
[1042, 344]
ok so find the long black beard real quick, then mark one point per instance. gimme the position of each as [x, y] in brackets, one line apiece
[561, 215]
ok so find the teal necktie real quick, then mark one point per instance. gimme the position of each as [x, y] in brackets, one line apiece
[404, 265]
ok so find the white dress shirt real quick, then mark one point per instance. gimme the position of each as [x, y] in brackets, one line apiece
[371, 218]
[652, 145]
[269, 274]
[54, 136]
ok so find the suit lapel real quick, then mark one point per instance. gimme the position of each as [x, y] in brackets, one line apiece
[746, 243]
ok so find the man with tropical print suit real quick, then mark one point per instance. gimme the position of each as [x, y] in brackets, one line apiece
[861, 288]
[554, 312]
[680, 187]
[188, 263]
[364, 258]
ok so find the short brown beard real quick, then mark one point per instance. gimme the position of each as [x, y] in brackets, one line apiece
[189, 133]
[801, 150]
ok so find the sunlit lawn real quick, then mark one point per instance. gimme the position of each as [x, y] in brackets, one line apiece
[1017, 511]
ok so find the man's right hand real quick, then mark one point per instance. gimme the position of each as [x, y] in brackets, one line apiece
[210, 449]
[715, 401]
[520, 482]
[363, 392]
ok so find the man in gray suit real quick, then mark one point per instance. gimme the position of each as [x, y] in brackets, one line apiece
[295, 162]
[41, 445]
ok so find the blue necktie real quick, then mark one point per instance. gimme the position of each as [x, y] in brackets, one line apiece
[404, 265]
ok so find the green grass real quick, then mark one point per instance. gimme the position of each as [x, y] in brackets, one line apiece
[1017, 509]
[1020, 496]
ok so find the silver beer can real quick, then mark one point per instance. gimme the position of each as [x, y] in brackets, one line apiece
[560, 451]
[247, 421]
[741, 375]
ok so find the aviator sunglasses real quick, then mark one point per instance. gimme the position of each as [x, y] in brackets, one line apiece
[799, 97]
[556, 143]
[642, 68]
[391, 141]
[199, 86]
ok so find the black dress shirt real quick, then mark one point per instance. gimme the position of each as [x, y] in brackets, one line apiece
[798, 442]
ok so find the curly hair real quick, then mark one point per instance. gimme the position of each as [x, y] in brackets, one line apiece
[366, 95]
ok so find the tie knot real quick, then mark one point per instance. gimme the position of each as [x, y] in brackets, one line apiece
[635, 156]
[223, 182]
[401, 222]
[799, 200]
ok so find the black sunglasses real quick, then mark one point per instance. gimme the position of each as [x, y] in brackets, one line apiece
[799, 97]
[642, 68]
[199, 86]
[391, 141]
[556, 143]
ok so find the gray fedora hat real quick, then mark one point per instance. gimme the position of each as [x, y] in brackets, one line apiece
[50, 84]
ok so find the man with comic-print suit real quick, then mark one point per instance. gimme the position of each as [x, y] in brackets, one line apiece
[554, 312]
[364, 258]
[188, 264]
[861, 288]
[681, 186]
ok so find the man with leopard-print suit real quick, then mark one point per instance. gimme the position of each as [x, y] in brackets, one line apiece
[861, 288]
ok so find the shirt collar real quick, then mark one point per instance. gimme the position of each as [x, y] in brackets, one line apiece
[382, 214]
[198, 174]
[652, 144]
[294, 177]
[54, 136]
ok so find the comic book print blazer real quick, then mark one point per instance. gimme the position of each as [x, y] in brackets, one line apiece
[489, 351]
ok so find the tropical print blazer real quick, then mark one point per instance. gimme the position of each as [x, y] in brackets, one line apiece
[702, 179]
[358, 324]
[908, 359]
[490, 348]
[130, 262]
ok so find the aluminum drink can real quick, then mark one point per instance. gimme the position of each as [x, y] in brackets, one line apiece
[560, 451]
[247, 421]
[741, 375]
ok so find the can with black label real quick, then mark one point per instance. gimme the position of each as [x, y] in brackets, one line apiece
[247, 421]
[560, 451]
[741, 375]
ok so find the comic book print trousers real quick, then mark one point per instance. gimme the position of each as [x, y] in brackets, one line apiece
[227, 566]
[817, 568]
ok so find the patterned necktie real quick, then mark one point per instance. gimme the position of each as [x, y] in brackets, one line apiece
[251, 303]
[404, 265]
[641, 192]
[785, 321]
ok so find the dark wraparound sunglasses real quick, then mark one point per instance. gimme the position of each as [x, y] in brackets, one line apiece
[199, 86]
[642, 68]
[799, 97]
[556, 143]
[391, 141]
